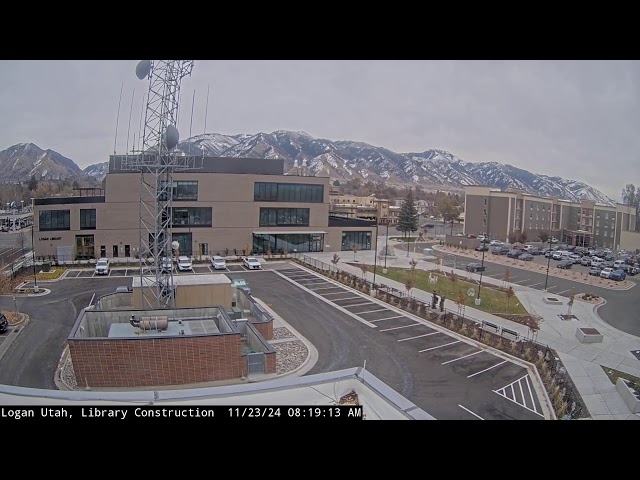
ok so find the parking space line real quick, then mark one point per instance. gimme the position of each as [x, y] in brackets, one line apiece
[564, 291]
[460, 358]
[535, 284]
[398, 328]
[467, 410]
[486, 369]
[328, 288]
[359, 305]
[502, 393]
[348, 298]
[382, 319]
[369, 311]
[439, 346]
[533, 402]
[419, 336]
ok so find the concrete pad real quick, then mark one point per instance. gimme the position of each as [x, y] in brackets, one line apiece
[596, 405]
[625, 416]
[584, 355]
[584, 385]
[575, 368]
[614, 357]
[603, 384]
[615, 403]
[603, 417]
[593, 369]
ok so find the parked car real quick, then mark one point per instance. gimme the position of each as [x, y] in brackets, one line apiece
[4, 323]
[553, 240]
[617, 275]
[548, 253]
[527, 257]
[595, 271]
[606, 272]
[565, 264]
[527, 247]
[102, 266]
[242, 284]
[124, 289]
[218, 263]
[557, 255]
[252, 263]
[585, 261]
[476, 267]
[184, 263]
[534, 251]
[502, 250]
[608, 264]
[575, 258]
[514, 253]
[618, 263]
[166, 264]
[481, 248]
[496, 243]
[428, 225]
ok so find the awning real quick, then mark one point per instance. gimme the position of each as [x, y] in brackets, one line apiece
[290, 232]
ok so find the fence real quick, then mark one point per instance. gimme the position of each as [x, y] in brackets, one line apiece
[505, 339]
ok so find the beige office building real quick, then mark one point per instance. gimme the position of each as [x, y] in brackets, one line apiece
[503, 214]
[228, 206]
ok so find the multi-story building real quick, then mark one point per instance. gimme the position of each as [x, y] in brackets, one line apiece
[228, 206]
[365, 208]
[504, 214]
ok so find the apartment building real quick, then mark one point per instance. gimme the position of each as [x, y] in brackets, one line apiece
[226, 206]
[502, 214]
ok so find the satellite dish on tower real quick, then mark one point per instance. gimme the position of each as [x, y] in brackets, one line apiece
[143, 69]
[171, 137]
[175, 245]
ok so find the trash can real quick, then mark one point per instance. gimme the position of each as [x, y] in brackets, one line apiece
[46, 267]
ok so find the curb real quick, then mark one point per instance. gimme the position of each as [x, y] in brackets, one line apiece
[11, 337]
[57, 376]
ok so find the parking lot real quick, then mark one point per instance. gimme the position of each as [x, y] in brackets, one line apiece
[501, 383]
[135, 271]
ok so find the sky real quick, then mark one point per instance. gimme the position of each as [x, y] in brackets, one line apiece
[575, 119]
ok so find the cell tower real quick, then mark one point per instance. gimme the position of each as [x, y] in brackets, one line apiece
[156, 162]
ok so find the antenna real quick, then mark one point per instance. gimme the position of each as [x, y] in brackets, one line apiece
[133, 95]
[206, 110]
[141, 116]
[193, 101]
[117, 119]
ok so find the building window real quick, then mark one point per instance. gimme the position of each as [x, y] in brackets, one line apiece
[288, 192]
[531, 216]
[611, 234]
[606, 216]
[183, 190]
[597, 231]
[484, 222]
[185, 243]
[282, 217]
[88, 219]
[597, 223]
[484, 212]
[485, 202]
[361, 240]
[85, 247]
[192, 217]
[598, 215]
[54, 220]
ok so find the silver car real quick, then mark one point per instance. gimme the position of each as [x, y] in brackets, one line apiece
[218, 263]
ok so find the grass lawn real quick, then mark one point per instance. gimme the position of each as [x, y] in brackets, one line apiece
[493, 301]
[615, 374]
[52, 275]
[404, 239]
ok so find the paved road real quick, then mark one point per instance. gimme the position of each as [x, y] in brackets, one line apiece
[32, 359]
[621, 311]
[411, 363]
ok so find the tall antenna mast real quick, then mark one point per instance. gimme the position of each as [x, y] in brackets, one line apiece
[206, 111]
[193, 101]
[156, 163]
[133, 95]
[140, 125]
[115, 140]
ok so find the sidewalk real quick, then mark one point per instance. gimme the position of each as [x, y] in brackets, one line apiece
[582, 361]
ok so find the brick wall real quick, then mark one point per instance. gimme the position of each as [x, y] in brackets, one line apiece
[270, 362]
[265, 329]
[156, 361]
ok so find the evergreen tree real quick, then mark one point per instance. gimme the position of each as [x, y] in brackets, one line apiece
[33, 183]
[408, 220]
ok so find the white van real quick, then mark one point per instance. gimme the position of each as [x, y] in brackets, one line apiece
[618, 264]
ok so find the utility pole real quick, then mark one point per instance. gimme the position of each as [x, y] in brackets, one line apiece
[548, 265]
[33, 248]
[386, 248]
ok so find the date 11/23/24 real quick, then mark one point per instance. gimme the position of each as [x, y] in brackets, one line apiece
[341, 412]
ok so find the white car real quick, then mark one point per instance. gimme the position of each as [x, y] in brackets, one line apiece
[585, 261]
[495, 243]
[102, 266]
[606, 272]
[218, 263]
[252, 263]
[184, 264]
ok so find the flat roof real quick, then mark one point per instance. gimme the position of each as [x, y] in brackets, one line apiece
[379, 401]
[193, 279]
[293, 232]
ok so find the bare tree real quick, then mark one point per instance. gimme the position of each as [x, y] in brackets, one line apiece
[509, 293]
[365, 268]
[355, 249]
[21, 241]
[453, 277]
[335, 260]
[570, 303]
[409, 285]
[413, 264]
[506, 277]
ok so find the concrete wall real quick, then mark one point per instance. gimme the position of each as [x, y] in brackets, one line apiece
[115, 301]
[126, 363]
[203, 295]
[630, 241]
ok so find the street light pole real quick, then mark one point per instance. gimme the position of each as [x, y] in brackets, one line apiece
[484, 244]
[548, 264]
[375, 256]
[33, 249]
[386, 248]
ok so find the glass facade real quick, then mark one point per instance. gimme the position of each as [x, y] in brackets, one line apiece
[85, 246]
[362, 240]
[288, 192]
[192, 216]
[54, 220]
[298, 242]
[185, 241]
[283, 217]
[88, 219]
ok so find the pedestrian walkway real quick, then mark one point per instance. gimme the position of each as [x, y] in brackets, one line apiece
[583, 361]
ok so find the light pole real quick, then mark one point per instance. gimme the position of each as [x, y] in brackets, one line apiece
[548, 264]
[386, 248]
[33, 249]
[375, 256]
[484, 245]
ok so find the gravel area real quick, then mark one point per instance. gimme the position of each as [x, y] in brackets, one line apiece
[282, 332]
[290, 355]
[67, 374]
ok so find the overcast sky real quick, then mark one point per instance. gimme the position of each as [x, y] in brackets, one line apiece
[578, 119]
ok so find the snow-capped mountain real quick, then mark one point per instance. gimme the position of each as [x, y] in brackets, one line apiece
[345, 160]
[19, 162]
